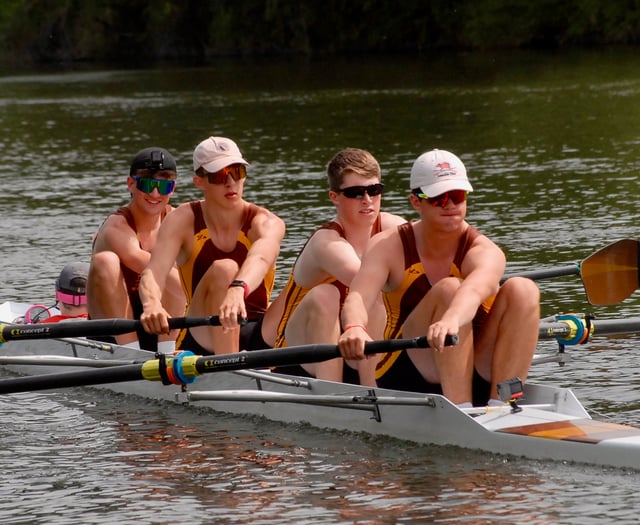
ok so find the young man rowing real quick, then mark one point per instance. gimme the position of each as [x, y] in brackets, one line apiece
[308, 309]
[226, 249]
[122, 246]
[440, 276]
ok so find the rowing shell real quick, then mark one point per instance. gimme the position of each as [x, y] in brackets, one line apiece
[551, 425]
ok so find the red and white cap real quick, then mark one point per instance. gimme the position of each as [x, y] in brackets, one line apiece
[438, 171]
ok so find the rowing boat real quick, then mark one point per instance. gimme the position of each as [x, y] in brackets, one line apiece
[547, 423]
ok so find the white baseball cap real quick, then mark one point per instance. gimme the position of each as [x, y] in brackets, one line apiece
[438, 171]
[216, 153]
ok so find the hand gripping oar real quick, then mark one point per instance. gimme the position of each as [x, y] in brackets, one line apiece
[573, 329]
[13, 332]
[188, 367]
[609, 276]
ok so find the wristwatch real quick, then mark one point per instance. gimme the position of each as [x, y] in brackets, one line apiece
[243, 285]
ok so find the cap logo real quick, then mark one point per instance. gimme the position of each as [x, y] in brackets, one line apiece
[444, 169]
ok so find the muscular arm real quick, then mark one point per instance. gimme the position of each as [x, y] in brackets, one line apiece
[171, 239]
[117, 236]
[371, 279]
[266, 233]
[482, 269]
[329, 254]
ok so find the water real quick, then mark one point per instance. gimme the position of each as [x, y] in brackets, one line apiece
[551, 145]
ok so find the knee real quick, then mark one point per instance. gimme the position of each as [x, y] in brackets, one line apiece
[221, 273]
[104, 266]
[323, 300]
[521, 291]
[445, 288]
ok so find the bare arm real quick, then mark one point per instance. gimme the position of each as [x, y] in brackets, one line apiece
[171, 238]
[116, 236]
[266, 234]
[329, 254]
[364, 291]
[326, 254]
[482, 269]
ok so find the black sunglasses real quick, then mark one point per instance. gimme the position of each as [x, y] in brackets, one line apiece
[357, 192]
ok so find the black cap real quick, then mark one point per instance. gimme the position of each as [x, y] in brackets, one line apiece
[153, 159]
[73, 278]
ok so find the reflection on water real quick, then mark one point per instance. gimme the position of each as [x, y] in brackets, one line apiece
[89, 462]
[552, 147]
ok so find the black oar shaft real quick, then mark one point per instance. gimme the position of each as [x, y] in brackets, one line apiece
[194, 365]
[300, 354]
[567, 328]
[13, 332]
[115, 374]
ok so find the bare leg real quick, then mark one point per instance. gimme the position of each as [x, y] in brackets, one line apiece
[206, 301]
[107, 296]
[271, 320]
[508, 339]
[315, 320]
[375, 326]
[174, 302]
[452, 368]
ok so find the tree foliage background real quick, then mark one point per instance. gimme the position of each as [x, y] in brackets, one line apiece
[39, 31]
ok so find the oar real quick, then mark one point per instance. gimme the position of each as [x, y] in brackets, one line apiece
[609, 275]
[189, 367]
[13, 332]
[574, 329]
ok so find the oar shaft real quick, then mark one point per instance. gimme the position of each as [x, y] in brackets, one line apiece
[567, 328]
[299, 354]
[548, 273]
[116, 374]
[13, 332]
[195, 365]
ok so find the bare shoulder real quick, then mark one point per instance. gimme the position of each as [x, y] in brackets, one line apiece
[485, 252]
[390, 220]
[114, 228]
[485, 243]
[323, 239]
[385, 241]
[266, 225]
[266, 217]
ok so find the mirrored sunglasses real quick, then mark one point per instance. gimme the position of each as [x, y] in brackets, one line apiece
[147, 185]
[440, 201]
[357, 192]
[237, 171]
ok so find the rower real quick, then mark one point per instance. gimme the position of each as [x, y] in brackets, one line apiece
[71, 298]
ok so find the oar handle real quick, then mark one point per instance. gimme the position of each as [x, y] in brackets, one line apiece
[13, 332]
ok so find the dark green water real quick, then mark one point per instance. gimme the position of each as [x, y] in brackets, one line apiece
[552, 146]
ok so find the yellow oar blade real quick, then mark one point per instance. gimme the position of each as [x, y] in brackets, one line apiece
[611, 274]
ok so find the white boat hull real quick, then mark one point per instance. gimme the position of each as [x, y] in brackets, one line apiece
[552, 424]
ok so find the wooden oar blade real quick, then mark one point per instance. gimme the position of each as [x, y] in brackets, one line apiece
[611, 274]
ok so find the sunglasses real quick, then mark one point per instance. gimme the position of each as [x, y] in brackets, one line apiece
[147, 185]
[357, 192]
[238, 172]
[440, 201]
